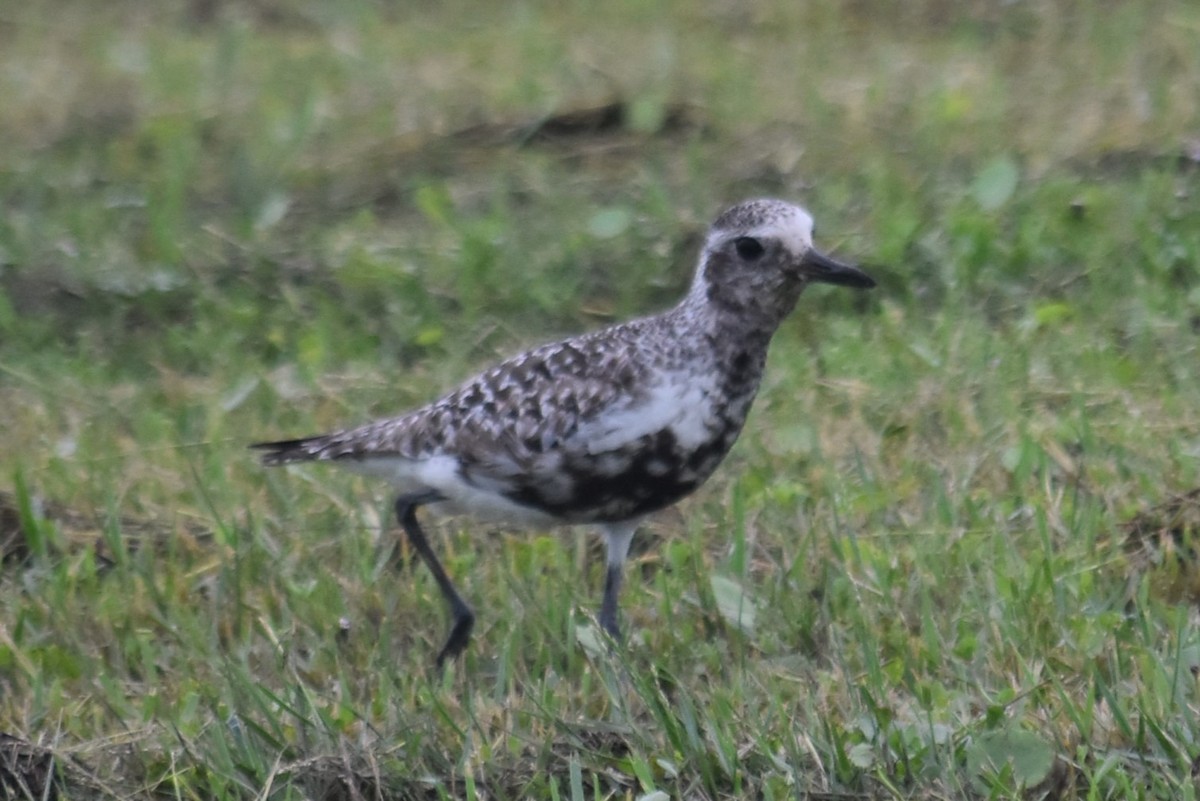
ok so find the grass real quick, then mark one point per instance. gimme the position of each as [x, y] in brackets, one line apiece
[911, 579]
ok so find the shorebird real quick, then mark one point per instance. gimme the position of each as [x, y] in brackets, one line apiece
[601, 428]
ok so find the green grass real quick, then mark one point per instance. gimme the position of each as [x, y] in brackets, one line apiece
[233, 222]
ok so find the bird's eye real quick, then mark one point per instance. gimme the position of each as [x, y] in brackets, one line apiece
[748, 247]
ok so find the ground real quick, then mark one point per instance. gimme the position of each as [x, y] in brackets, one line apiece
[952, 555]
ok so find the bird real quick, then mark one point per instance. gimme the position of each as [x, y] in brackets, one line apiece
[602, 428]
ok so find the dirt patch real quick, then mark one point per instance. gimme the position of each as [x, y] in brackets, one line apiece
[26, 770]
[1164, 541]
[22, 529]
[618, 118]
[35, 772]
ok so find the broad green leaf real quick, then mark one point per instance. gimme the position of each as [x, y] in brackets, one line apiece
[590, 638]
[610, 223]
[1028, 756]
[995, 183]
[861, 755]
[1051, 314]
[734, 603]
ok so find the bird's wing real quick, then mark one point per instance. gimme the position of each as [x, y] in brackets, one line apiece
[516, 414]
[507, 419]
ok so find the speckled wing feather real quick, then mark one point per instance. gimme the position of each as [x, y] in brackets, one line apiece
[508, 416]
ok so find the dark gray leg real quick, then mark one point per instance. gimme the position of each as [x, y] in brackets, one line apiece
[460, 612]
[608, 607]
[618, 536]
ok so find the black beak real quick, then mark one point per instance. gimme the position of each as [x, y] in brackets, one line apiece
[816, 266]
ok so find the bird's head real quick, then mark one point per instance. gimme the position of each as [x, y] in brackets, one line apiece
[759, 256]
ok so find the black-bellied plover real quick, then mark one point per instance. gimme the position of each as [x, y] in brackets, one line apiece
[602, 428]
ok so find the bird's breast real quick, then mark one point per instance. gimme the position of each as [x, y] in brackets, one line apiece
[641, 458]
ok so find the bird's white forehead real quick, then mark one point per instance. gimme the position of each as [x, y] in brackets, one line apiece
[791, 225]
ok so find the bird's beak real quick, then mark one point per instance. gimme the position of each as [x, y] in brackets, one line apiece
[816, 266]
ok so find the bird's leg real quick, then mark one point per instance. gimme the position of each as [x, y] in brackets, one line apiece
[460, 611]
[617, 537]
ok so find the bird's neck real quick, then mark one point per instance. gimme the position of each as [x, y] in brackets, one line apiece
[736, 312]
[734, 337]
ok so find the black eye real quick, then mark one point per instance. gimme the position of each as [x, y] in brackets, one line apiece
[748, 247]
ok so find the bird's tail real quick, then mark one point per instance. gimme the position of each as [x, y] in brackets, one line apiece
[286, 451]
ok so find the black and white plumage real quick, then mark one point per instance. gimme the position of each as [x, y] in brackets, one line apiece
[602, 428]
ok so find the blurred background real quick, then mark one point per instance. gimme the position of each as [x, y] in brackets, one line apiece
[962, 511]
